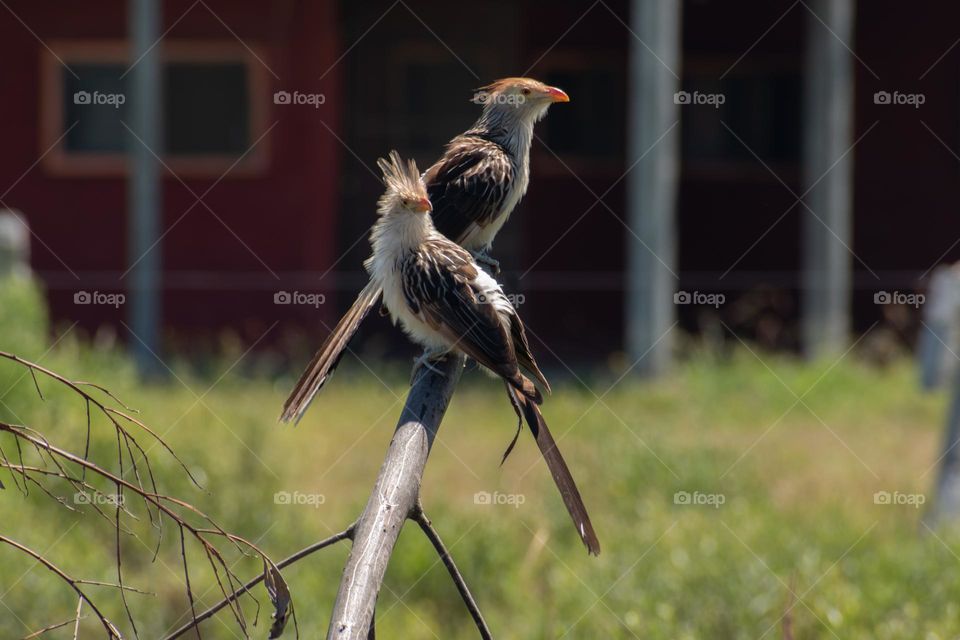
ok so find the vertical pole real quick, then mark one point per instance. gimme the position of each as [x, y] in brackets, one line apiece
[828, 134]
[143, 197]
[652, 185]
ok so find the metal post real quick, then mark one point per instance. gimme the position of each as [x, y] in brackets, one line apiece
[652, 185]
[144, 198]
[828, 135]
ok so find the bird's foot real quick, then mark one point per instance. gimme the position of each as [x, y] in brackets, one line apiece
[425, 362]
[484, 260]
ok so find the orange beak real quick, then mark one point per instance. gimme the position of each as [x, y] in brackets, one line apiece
[557, 95]
[423, 205]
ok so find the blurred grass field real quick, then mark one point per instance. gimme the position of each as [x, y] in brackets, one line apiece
[796, 480]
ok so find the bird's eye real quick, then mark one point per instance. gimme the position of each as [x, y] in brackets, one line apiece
[406, 202]
[525, 92]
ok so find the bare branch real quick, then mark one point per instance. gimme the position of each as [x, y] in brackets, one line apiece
[76, 626]
[303, 553]
[130, 457]
[421, 519]
[107, 625]
[393, 500]
[52, 627]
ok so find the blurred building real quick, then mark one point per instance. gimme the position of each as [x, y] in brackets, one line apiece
[287, 181]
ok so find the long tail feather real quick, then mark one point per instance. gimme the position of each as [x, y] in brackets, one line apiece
[558, 469]
[325, 361]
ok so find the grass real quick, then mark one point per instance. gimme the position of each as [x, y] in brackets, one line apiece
[796, 479]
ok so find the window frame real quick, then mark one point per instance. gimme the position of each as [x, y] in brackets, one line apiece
[58, 161]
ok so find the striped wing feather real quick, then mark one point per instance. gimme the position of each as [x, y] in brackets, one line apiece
[468, 185]
[439, 286]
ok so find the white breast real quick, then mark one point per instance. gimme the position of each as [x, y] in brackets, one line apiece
[482, 237]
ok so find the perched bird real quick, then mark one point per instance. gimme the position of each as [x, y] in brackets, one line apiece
[445, 302]
[473, 189]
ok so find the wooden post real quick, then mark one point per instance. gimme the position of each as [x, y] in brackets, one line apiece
[652, 184]
[827, 136]
[394, 499]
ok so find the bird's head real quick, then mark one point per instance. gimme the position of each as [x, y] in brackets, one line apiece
[405, 190]
[524, 99]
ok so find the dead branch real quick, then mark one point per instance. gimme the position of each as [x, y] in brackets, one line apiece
[303, 553]
[427, 527]
[394, 499]
[111, 630]
[202, 529]
[52, 627]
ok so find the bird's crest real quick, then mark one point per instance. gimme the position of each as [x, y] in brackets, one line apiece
[481, 94]
[401, 176]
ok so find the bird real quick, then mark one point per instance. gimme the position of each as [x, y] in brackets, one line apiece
[473, 189]
[445, 302]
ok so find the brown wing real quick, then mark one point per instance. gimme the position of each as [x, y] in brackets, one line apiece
[468, 185]
[438, 285]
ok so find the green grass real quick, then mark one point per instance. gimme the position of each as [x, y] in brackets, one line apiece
[797, 480]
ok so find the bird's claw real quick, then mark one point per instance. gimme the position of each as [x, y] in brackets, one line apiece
[484, 260]
[424, 361]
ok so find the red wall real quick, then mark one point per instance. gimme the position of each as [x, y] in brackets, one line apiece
[285, 216]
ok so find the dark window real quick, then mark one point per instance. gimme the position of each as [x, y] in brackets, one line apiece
[424, 119]
[763, 110]
[592, 125]
[94, 99]
[206, 108]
